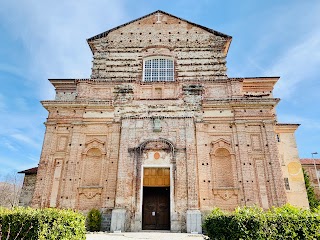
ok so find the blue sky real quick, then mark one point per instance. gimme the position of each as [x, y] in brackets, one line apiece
[47, 39]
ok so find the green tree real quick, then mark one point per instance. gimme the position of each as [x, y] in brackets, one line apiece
[313, 201]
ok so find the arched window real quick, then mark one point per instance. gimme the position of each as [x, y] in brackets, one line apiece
[158, 69]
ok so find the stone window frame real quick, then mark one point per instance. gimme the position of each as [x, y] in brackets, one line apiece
[155, 64]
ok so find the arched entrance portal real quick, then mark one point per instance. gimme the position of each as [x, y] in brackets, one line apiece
[156, 184]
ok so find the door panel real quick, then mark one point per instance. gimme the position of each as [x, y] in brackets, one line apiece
[156, 177]
[150, 206]
[156, 208]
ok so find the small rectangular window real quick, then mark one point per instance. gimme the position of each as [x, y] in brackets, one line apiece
[278, 138]
[286, 183]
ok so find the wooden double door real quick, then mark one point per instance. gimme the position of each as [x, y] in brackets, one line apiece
[156, 208]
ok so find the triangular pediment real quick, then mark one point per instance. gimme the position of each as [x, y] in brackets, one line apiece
[155, 14]
[221, 143]
[159, 17]
[94, 141]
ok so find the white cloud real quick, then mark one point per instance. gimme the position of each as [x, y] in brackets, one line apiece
[22, 104]
[281, 40]
[9, 165]
[55, 35]
[7, 144]
[289, 46]
[307, 123]
[33, 159]
[300, 63]
[25, 139]
[21, 130]
[52, 39]
[4, 67]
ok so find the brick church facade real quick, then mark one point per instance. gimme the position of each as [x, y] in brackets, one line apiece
[159, 134]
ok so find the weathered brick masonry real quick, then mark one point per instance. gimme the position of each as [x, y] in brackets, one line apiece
[214, 137]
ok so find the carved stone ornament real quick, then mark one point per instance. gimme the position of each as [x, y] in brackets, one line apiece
[157, 145]
[221, 143]
[94, 143]
[157, 125]
[90, 192]
[225, 193]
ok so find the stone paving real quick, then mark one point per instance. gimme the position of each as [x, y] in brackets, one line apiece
[145, 236]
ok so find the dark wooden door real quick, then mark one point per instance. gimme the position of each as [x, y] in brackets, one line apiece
[156, 208]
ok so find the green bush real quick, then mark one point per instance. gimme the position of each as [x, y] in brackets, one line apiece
[94, 220]
[286, 222]
[313, 201]
[28, 223]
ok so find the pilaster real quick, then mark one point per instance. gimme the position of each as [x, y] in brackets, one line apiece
[274, 166]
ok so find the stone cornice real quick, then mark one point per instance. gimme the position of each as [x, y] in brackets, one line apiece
[78, 103]
[239, 102]
[286, 128]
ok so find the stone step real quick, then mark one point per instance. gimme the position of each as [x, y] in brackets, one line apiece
[154, 235]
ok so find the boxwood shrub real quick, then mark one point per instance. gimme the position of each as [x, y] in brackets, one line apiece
[28, 223]
[94, 220]
[285, 222]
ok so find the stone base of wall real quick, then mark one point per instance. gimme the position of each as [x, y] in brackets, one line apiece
[106, 221]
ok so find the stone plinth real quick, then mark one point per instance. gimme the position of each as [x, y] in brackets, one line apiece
[194, 221]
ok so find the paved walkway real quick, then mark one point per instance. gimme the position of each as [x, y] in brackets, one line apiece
[145, 236]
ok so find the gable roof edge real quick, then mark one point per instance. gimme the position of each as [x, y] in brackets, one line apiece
[104, 34]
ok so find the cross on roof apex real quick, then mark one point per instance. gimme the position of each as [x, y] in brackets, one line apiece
[158, 15]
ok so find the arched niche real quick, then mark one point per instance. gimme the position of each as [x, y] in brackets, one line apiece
[90, 189]
[92, 167]
[223, 164]
[92, 157]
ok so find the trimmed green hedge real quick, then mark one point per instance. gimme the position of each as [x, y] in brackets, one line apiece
[28, 223]
[285, 222]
